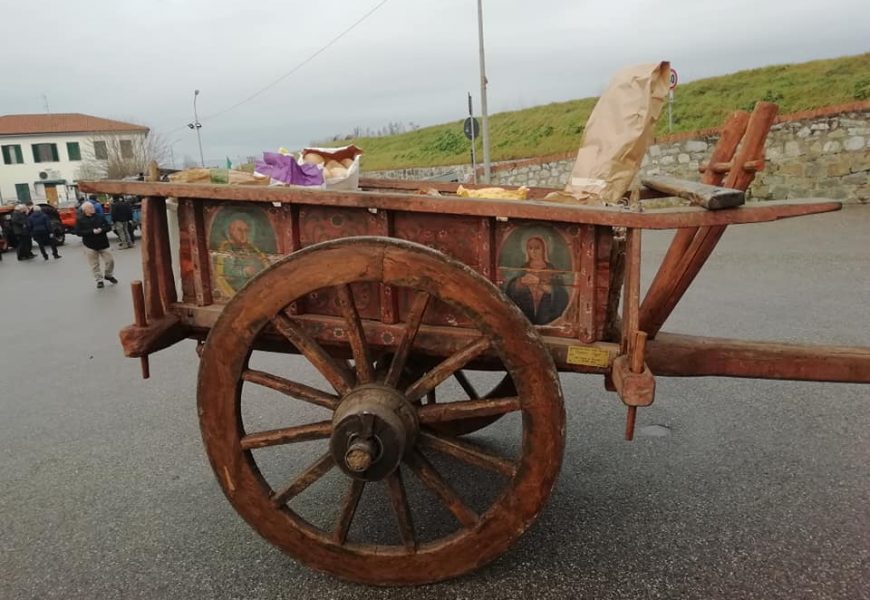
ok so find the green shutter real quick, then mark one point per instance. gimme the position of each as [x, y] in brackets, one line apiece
[73, 150]
[6, 159]
[35, 148]
[19, 154]
[22, 190]
[55, 156]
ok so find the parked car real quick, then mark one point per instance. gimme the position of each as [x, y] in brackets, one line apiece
[68, 213]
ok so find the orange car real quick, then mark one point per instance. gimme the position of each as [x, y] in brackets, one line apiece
[67, 212]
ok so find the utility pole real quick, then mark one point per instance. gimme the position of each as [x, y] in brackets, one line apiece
[483, 113]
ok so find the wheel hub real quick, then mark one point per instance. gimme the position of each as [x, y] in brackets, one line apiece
[372, 429]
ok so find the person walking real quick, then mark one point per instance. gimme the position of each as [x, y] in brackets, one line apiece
[22, 233]
[92, 228]
[122, 214]
[40, 228]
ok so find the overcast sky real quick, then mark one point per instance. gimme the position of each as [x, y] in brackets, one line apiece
[411, 60]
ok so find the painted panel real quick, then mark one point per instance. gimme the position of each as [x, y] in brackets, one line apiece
[538, 268]
[463, 238]
[241, 243]
[320, 224]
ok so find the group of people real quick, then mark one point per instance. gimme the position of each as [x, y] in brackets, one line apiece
[30, 224]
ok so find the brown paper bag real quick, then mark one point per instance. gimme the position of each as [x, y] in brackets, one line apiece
[618, 133]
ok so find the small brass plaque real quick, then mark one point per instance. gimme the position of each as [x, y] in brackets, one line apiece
[588, 356]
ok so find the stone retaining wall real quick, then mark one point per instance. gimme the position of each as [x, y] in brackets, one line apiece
[823, 153]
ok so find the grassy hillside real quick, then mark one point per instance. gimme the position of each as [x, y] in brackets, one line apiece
[557, 127]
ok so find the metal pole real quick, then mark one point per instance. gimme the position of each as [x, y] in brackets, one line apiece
[484, 116]
[670, 115]
[197, 125]
[473, 139]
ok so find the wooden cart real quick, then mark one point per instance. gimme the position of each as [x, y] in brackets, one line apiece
[392, 295]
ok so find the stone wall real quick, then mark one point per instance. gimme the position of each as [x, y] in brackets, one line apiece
[819, 153]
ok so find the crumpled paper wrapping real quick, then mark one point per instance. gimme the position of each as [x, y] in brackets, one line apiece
[618, 133]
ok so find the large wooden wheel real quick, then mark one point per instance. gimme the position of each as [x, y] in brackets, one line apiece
[379, 435]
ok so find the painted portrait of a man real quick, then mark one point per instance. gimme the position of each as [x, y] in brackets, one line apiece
[241, 246]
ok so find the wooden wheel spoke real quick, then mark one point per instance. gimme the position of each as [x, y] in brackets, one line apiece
[415, 318]
[433, 480]
[356, 336]
[291, 388]
[467, 409]
[320, 468]
[348, 510]
[446, 368]
[287, 435]
[469, 453]
[336, 373]
[399, 500]
[466, 385]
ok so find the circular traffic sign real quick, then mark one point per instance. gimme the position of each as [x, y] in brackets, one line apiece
[471, 127]
[674, 79]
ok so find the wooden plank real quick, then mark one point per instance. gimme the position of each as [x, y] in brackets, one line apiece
[677, 355]
[186, 232]
[201, 260]
[665, 218]
[153, 305]
[586, 284]
[631, 297]
[710, 197]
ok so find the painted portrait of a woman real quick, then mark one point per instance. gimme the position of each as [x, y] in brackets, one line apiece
[538, 290]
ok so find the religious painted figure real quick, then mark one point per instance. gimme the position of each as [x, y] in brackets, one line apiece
[537, 287]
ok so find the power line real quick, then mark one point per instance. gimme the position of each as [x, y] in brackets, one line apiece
[294, 69]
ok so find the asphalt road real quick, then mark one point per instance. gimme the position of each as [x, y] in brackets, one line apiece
[732, 489]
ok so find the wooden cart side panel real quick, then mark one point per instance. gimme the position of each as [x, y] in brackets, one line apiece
[224, 244]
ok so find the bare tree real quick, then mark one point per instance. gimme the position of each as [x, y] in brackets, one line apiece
[119, 155]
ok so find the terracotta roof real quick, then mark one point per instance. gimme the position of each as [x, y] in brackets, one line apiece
[61, 123]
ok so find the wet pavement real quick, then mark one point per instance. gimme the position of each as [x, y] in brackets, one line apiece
[732, 488]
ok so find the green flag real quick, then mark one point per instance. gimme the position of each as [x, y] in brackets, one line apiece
[229, 163]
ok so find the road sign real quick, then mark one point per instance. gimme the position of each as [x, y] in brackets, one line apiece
[674, 79]
[471, 127]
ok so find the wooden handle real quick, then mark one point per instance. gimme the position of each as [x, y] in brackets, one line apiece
[711, 197]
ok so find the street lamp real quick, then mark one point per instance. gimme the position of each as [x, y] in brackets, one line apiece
[197, 126]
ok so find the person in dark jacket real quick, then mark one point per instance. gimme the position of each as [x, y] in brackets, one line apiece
[22, 234]
[122, 214]
[40, 228]
[93, 228]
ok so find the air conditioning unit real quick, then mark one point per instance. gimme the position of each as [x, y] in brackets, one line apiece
[43, 175]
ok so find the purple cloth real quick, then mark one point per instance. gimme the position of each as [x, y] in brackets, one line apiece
[286, 169]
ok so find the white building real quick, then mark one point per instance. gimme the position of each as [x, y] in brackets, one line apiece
[43, 155]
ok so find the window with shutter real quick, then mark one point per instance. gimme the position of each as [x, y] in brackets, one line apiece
[12, 155]
[45, 153]
[73, 151]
